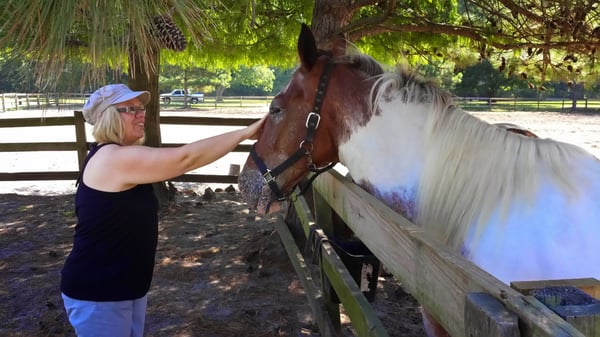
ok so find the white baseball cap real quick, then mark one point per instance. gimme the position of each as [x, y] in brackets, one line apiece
[108, 95]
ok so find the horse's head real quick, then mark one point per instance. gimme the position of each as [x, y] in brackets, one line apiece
[306, 122]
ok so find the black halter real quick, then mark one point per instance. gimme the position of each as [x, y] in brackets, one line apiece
[306, 146]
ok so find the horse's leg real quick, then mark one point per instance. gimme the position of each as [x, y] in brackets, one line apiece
[432, 327]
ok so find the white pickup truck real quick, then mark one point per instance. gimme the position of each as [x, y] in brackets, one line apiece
[178, 95]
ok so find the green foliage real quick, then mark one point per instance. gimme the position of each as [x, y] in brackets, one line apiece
[101, 33]
[483, 80]
[254, 33]
[194, 78]
[259, 78]
[540, 40]
[16, 74]
[282, 77]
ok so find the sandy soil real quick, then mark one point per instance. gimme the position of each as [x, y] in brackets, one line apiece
[221, 270]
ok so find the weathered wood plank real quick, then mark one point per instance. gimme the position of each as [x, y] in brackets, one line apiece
[313, 294]
[35, 121]
[72, 175]
[207, 120]
[437, 277]
[28, 147]
[238, 148]
[81, 146]
[486, 316]
[80, 137]
[205, 178]
[53, 175]
[361, 313]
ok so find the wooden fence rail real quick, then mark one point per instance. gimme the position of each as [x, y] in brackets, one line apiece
[81, 145]
[465, 299]
[26, 101]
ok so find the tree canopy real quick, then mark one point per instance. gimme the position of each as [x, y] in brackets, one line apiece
[550, 39]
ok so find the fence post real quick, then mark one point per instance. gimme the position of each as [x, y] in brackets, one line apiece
[486, 316]
[80, 138]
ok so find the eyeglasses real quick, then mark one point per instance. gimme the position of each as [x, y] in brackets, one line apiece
[132, 109]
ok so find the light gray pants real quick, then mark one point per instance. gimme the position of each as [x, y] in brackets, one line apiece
[107, 319]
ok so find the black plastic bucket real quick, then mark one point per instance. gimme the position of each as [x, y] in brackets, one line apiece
[362, 265]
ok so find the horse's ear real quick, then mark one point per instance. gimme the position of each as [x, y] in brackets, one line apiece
[307, 47]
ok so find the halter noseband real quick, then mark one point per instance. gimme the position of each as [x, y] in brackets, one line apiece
[306, 146]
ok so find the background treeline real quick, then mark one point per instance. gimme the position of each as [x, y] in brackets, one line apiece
[479, 80]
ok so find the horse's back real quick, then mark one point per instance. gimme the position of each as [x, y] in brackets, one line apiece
[555, 236]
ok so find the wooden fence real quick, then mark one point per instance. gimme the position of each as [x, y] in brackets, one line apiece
[81, 145]
[23, 101]
[16, 101]
[465, 299]
[26, 101]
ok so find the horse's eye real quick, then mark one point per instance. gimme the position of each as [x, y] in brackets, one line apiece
[274, 110]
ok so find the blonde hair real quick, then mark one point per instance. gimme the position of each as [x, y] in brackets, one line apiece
[109, 127]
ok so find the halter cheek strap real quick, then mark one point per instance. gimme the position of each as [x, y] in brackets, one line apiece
[305, 147]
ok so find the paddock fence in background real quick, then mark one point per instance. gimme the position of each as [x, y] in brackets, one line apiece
[26, 101]
[81, 145]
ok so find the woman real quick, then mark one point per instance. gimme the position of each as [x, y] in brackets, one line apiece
[107, 275]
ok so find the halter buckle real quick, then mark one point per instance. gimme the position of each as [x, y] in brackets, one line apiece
[268, 177]
[313, 120]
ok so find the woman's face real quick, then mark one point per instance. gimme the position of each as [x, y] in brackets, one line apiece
[133, 114]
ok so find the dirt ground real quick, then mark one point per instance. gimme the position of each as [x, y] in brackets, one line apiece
[220, 269]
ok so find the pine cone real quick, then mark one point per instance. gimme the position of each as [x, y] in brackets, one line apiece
[169, 35]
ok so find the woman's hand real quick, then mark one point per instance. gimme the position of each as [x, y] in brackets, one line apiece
[254, 130]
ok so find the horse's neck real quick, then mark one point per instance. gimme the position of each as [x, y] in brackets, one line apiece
[385, 156]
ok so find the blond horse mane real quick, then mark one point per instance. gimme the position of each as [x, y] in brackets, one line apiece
[472, 168]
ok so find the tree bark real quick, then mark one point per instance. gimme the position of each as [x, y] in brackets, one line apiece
[142, 78]
[329, 16]
[577, 92]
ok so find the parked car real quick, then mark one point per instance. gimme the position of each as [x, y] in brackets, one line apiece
[178, 95]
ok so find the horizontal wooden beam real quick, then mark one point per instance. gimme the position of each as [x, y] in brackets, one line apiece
[28, 147]
[50, 175]
[36, 121]
[438, 278]
[309, 284]
[361, 313]
[72, 175]
[238, 148]
[226, 121]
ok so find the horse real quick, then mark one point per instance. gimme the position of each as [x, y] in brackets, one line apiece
[519, 207]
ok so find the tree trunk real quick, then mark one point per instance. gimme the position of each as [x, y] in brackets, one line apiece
[185, 88]
[577, 92]
[219, 94]
[141, 78]
[328, 17]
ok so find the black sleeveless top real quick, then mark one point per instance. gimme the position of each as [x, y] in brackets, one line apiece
[114, 245]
